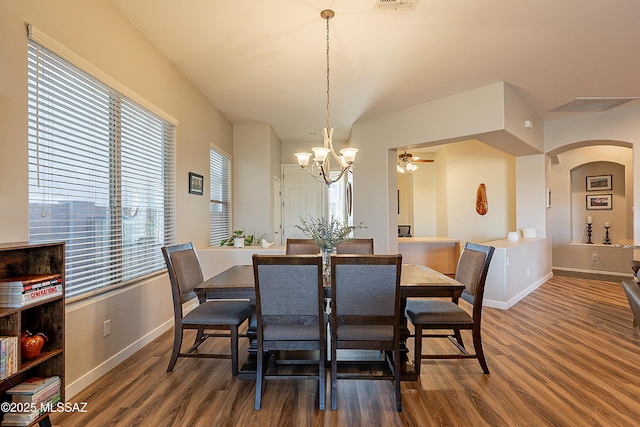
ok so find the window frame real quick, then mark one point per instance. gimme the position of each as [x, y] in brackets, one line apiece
[128, 112]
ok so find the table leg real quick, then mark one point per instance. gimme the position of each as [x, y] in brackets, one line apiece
[248, 369]
[408, 369]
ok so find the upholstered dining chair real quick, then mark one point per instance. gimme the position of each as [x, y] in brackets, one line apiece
[290, 316]
[216, 315]
[302, 247]
[632, 291]
[365, 314]
[448, 315]
[356, 246]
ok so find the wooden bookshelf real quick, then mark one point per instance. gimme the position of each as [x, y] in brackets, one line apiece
[46, 316]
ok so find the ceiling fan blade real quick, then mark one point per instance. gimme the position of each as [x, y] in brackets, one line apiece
[423, 161]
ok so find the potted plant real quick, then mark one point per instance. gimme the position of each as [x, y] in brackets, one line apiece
[327, 233]
[236, 240]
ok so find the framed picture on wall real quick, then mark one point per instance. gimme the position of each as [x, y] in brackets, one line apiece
[599, 201]
[196, 183]
[599, 183]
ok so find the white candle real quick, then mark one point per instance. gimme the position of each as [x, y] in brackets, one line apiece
[607, 224]
[589, 220]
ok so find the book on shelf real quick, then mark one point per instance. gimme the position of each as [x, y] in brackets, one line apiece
[23, 290]
[11, 419]
[27, 282]
[8, 356]
[41, 396]
[33, 385]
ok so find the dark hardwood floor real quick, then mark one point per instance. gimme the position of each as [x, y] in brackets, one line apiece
[566, 355]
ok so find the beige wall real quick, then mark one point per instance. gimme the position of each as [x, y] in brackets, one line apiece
[477, 114]
[97, 32]
[256, 159]
[463, 166]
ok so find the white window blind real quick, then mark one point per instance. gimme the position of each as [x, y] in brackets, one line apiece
[101, 176]
[220, 195]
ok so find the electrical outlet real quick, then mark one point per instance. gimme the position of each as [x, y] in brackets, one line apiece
[527, 271]
[106, 327]
[595, 257]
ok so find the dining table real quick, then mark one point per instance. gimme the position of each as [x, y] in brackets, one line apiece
[416, 281]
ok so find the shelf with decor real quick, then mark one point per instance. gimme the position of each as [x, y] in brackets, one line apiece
[32, 331]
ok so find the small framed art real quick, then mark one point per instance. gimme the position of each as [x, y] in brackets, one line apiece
[599, 201]
[196, 183]
[599, 183]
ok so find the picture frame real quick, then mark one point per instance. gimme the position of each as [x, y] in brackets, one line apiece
[196, 184]
[599, 183]
[599, 202]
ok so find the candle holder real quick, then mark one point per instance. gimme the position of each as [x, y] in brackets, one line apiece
[589, 231]
[606, 236]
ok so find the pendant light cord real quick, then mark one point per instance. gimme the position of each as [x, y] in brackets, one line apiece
[328, 110]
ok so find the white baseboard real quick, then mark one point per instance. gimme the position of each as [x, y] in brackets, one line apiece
[506, 305]
[603, 273]
[91, 376]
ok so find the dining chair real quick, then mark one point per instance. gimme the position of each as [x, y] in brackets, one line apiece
[471, 271]
[632, 291]
[356, 246]
[302, 247]
[215, 315]
[290, 316]
[365, 314]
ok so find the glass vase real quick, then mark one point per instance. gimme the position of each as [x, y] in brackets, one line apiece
[326, 260]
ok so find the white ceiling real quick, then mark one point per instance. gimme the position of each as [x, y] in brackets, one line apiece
[264, 61]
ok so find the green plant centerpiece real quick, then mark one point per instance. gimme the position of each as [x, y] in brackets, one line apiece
[327, 233]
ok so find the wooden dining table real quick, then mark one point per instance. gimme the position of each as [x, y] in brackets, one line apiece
[416, 281]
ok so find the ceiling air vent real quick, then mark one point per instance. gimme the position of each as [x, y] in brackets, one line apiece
[396, 4]
[594, 103]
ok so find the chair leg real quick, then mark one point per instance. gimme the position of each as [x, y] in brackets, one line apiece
[259, 375]
[334, 377]
[458, 336]
[635, 323]
[322, 378]
[477, 344]
[417, 348]
[177, 344]
[233, 332]
[396, 372]
[198, 339]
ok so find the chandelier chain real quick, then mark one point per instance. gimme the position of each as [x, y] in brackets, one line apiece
[328, 110]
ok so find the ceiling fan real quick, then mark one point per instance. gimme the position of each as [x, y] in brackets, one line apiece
[407, 162]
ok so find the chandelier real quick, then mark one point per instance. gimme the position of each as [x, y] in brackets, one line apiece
[320, 169]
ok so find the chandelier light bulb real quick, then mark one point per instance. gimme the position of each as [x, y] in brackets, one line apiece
[303, 159]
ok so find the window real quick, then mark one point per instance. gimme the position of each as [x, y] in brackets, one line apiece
[101, 176]
[220, 195]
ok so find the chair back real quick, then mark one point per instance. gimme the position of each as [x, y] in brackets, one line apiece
[184, 273]
[404, 231]
[365, 289]
[289, 289]
[472, 269]
[356, 246]
[302, 247]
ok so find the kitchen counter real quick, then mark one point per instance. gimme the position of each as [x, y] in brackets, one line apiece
[439, 253]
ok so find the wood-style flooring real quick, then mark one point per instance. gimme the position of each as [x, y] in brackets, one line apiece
[566, 355]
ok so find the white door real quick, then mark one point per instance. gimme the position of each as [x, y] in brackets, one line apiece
[277, 212]
[303, 196]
